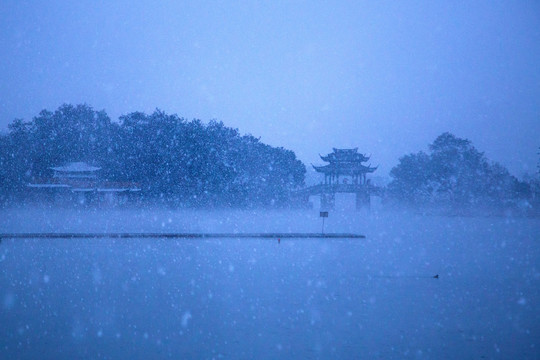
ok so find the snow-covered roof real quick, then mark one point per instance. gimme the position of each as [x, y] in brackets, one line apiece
[48, 185]
[76, 167]
[112, 189]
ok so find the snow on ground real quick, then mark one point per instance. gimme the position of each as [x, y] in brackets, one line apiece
[255, 298]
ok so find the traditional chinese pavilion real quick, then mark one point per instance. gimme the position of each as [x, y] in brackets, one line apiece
[76, 170]
[347, 164]
[80, 182]
[344, 172]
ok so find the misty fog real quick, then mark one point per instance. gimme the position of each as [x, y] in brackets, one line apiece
[279, 180]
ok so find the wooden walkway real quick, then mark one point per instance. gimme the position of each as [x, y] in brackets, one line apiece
[181, 236]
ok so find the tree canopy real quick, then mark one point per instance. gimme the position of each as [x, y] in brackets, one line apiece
[170, 157]
[454, 173]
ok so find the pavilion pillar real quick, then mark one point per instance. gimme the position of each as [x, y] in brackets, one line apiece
[363, 199]
[328, 201]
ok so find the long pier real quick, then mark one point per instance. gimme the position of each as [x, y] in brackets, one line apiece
[117, 235]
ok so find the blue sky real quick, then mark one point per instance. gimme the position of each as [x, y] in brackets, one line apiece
[387, 77]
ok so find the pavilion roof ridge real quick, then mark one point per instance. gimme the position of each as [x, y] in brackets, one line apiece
[77, 166]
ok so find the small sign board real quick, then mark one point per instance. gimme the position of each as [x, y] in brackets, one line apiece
[324, 214]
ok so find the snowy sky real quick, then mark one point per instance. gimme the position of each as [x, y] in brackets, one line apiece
[387, 77]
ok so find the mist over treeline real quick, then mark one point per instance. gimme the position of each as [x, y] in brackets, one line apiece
[455, 177]
[190, 163]
[170, 158]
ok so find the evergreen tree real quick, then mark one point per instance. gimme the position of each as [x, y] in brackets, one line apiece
[171, 158]
[454, 174]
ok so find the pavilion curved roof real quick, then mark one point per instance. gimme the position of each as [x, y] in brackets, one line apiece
[75, 167]
[345, 169]
[345, 155]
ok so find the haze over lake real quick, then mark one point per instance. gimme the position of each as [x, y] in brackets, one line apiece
[257, 298]
[368, 173]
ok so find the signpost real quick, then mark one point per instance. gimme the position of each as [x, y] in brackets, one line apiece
[324, 214]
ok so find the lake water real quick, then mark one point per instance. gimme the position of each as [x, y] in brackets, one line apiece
[257, 298]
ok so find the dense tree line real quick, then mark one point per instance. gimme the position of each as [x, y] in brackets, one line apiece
[171, 158]
[534, 182]
[193, 163]
[455, 175]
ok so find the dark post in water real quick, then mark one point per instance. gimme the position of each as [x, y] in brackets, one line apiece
[324, 214]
